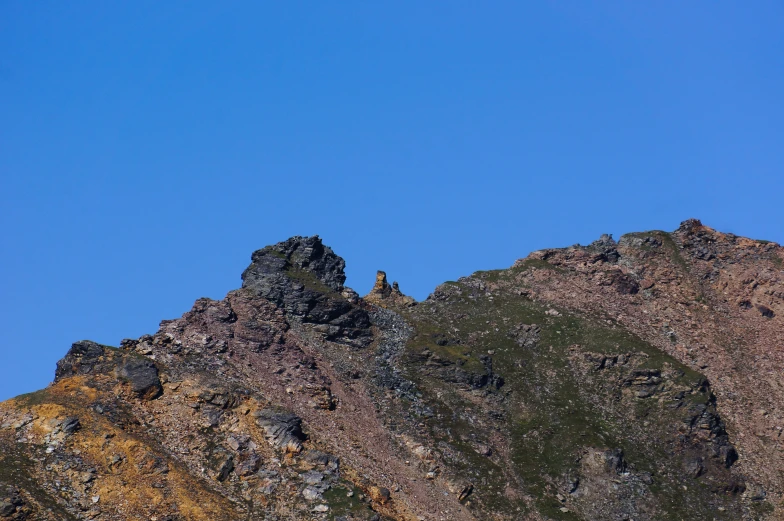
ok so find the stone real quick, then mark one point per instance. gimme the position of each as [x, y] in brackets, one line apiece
[142, 375]
[70, 425]
[6, 509]
[225, 468]
[268, 274]
[84, 357]
[312, 477]
[248, 464]
[614, 461]
[765, 311]
[606, 249]
[465, 492]
[383, 294]
[690, 226]
[328, 462]
[380, 495]
[283, 430]
[755, 492]
[694, 467]
[311, 493]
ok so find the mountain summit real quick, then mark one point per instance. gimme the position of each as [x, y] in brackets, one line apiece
[632, 379]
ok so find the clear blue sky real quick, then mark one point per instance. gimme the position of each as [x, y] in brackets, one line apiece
[147, 148]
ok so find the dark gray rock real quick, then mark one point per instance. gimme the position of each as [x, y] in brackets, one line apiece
[306, 278]
[304, 257]
[312, 477]
[694, 467]
[765, 311]
[455, 372]
[6, 509]
[225, 468]
[614, 461]
[70, 425]
[212, 415]
[689, 226]
[756, 492]
[526, 335]
[303, 253]
[329, 462]
[606, 249]
[84, 357]
[90, 358]
[142, 375]
[282, 429]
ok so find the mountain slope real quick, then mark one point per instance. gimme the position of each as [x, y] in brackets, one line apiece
[631, 380]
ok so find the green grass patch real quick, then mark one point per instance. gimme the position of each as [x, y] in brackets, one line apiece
[343, 500]
[552, 411]
[310, 281]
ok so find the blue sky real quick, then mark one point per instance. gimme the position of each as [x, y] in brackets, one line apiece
[147, 148]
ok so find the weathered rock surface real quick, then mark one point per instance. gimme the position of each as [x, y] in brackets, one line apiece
[385, 295]
[84, 357]
[638, 379]
[142, 375]
[283, 430]
[306, 278]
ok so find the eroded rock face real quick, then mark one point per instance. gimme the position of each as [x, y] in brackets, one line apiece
[142, 375]
[305, 278]
[84, 357]
[97, 362]
[282, 429]
[300, 253]
[386, 295]
[616, 381]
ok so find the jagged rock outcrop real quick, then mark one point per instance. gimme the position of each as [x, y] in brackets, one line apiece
[97, 362]
[84, 357]
[306, 279]
[637, 379]
[386, 295]
[283, 430]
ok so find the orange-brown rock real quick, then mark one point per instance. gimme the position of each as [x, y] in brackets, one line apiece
[385, 295]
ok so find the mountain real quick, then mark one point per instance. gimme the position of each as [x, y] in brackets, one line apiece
[631, 380]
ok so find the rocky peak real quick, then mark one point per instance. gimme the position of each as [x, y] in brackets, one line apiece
[305, 278]
[605, 241]
[308, 254]
[81, 358]
[690, 226]
[607, 248]
[381, 289]
[382, 293]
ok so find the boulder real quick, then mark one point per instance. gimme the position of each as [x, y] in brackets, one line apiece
[380, 495]
[282, 429]
[142, 375]
[84, 357]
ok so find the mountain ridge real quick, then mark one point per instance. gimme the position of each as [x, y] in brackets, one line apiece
[629, 379]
